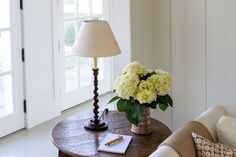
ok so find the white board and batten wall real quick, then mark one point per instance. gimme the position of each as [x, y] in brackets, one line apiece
[141, 19]
[121, 26]
[221, 52]
[188, 62]
[143, 48]
[161, 49]
[196, 41]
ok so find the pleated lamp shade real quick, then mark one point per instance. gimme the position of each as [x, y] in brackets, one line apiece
[96, 39]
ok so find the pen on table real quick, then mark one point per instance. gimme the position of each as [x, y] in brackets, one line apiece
[114, 141]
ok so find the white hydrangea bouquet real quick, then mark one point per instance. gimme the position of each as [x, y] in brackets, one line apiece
[140, 87]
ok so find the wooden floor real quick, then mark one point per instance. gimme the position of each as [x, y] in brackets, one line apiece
[36, 142]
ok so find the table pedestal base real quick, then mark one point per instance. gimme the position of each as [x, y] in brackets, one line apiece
[61, 154]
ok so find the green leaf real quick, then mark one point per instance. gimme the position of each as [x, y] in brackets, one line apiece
[139, 112]
[163, 107]
[153, 105]
[130, 117]
[113, 99]
[165, 100]
[169, 100]
[134, 112]
[122, 105]
[130, 105]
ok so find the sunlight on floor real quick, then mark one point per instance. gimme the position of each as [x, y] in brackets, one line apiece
[36, 142]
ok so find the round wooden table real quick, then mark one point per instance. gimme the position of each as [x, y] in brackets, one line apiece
[72, 140]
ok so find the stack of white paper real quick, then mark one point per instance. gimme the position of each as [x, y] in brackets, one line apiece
[119, 148]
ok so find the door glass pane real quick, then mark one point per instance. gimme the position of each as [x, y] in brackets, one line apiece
[97, 7]
[85, 71]
[70, 33]
[4, 13]
[5, 51]
[83, 7]
[5, 95]
[69, 8]
[71, 63]
[78, 70]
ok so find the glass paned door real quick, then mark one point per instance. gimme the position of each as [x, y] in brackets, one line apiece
[77, 73]
[11, 81]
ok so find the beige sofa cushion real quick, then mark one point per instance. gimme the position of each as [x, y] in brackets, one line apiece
[182, 142]
[230, 111]
[164, 151]
[209, 119]
[226, 131]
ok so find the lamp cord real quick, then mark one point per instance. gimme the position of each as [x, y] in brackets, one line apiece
[102, 115]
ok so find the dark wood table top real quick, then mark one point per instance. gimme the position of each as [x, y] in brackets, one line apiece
[70, 137]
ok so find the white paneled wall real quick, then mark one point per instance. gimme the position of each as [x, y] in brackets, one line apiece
[141, 31]
[188, 59]
[120, 23]
[162, 56]
[196, 41]
[221, 52]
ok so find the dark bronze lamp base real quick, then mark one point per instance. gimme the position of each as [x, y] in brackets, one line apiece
[95, 124]
[91, 125]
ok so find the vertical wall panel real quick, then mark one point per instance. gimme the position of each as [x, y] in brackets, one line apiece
[161, 47]
[188, 59]
[142, 31]
[221, 52]
[199, 49]
[120, 23]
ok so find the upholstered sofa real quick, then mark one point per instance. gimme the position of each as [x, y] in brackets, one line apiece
[206, 124]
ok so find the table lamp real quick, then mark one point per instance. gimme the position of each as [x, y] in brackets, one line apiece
[96, 39]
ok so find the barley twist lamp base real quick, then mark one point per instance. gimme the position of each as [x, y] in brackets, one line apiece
[91, 125]
[95, 124]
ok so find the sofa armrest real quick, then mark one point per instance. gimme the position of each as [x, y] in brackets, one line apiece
[207, 124]
[181, 143]
[210, 117]
[164, 151]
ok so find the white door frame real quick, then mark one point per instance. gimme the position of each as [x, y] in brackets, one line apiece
[15, 121]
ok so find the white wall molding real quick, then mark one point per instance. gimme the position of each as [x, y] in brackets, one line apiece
[196, 41]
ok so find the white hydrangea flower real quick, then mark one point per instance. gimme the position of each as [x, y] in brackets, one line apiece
[135, 68]
[161, 82]
[146, 92]
[126, 86]
[160, 72]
